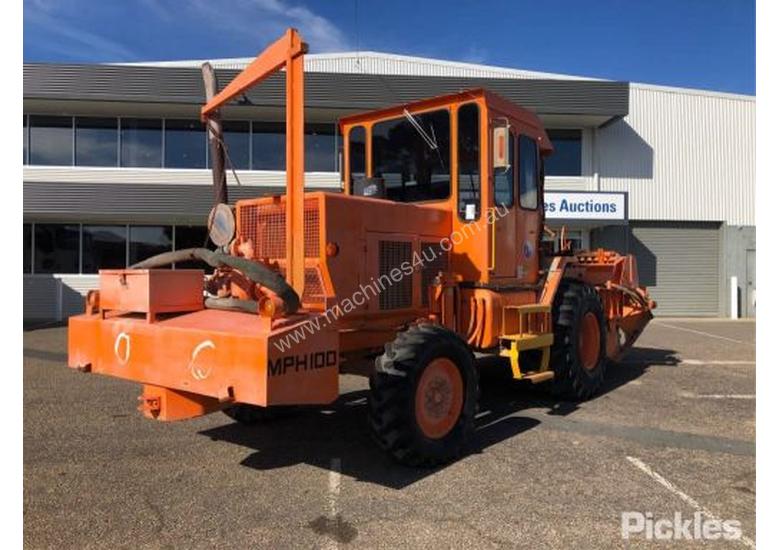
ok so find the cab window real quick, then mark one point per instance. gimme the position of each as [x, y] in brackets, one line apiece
[411, 156]
[468, 162]
[357, 154]
[529, 173]
[504, 178]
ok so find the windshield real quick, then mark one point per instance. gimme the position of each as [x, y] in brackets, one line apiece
[411, 156]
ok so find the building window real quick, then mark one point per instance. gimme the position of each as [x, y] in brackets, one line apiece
[529, 173]
[51, 140]
[468, 162]
[96, 141]
[56, 248]
[236, 135]
[504, 178]
[190, 236]
[24, 139]
[141, 143]
[27, 232]
[268, 146]
[147, 241]
[566, 159]
[185, 144]
[320, 147]
[104, 247]
[413, 159]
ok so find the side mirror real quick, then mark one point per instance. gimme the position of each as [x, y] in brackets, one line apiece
[501, 147]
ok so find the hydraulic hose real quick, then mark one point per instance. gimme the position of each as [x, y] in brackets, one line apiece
[256, 272]
[250, 306]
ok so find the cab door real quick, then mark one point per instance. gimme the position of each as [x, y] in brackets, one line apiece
[529, 214]
[502, 218]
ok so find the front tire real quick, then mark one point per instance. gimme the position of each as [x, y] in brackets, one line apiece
[423, 396]
[579, 348]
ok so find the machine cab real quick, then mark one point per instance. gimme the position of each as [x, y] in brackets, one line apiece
[473, 154]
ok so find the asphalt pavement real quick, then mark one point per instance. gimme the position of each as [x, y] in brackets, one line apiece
[673, 431]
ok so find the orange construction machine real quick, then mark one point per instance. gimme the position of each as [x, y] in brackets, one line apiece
[432, 254]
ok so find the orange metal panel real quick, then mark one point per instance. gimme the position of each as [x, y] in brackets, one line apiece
[269, 61]
[151, 290]
[166, 404]
[211, 353]
[295, 172]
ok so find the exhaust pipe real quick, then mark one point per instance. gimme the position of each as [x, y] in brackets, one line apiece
[214, 129]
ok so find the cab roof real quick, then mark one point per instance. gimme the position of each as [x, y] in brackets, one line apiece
[493, 101]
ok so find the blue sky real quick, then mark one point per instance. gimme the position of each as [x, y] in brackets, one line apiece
[694, 43]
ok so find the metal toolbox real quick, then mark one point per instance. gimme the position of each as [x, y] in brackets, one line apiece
[151, 291]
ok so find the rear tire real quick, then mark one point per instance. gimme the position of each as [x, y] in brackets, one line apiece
[579, 348]
[423, 396]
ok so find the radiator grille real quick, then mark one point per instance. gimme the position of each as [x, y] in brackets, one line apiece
[313, 287]
[396, 295]
[435, 259]
[264, 225]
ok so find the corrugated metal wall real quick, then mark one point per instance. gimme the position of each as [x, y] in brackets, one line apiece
[182, 85]
[55, 297]
[682, 156]
[378, 63]
[175, 176]
[120, 203]
[391, 64]
[41, 298]
[143, 195]
[680, 263]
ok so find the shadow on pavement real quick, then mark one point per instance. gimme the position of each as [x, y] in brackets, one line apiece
[316, 436]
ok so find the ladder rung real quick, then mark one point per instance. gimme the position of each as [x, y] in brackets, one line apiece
[529, 341]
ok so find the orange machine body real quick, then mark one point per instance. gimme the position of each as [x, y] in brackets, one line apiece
[363, 267]
[219, 356]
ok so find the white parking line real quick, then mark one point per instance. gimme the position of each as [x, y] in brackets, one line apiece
[700, 333]
[718, 395]
[705, 362]
[334, 485]
[715, 362]
[685, 498]
[334, 489]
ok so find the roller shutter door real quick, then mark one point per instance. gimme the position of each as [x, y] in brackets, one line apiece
[679, 262]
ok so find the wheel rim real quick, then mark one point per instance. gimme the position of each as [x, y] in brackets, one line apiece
[439, 398]
[590, 341]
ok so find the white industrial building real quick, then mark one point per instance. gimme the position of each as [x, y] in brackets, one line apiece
[116, 166]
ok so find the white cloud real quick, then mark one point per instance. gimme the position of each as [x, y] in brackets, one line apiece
[248, 24]
[476, 54]
[262, 21]
[69, 40]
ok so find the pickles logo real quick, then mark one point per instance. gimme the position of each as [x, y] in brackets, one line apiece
[305, 362]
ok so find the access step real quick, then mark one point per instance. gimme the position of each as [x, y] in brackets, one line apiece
[529, 341]
[527, 327]
[538, 377]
